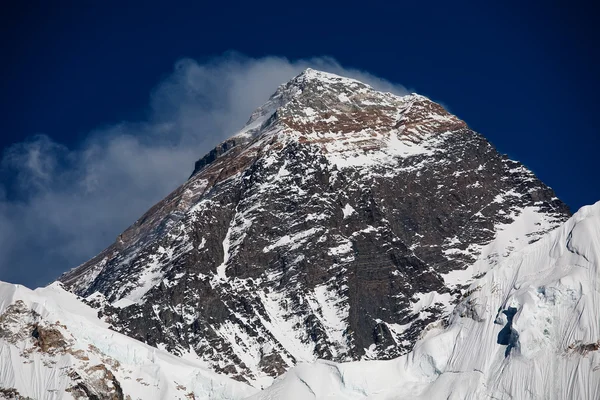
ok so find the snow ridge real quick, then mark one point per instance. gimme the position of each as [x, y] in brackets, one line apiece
[53, 346]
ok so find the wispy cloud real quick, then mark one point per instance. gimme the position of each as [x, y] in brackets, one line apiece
[64, 205]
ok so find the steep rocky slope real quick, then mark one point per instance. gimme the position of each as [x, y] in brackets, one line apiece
[337, 224]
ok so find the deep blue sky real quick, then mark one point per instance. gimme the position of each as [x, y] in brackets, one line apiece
[525, 76]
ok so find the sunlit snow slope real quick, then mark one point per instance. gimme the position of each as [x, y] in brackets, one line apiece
[529, 329]
[53, 346]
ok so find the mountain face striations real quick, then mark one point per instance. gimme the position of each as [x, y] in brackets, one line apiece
[337, 224]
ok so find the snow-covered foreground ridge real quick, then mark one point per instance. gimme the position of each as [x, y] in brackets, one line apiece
[53, 346]
[529, 329]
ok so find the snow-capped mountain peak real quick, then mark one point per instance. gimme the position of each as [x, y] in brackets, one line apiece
[346, 119]
[317, 97]
[338, 224]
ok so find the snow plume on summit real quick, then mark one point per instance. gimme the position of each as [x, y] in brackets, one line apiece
[68, 202]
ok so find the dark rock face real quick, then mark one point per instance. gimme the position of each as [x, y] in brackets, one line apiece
[338, 225]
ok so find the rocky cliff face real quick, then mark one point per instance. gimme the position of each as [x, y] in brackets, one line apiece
[337, 224]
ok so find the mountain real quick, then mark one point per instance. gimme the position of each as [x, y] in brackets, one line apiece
[338, 224]
[529, 329]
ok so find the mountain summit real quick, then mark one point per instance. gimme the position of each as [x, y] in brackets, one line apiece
[337, 224]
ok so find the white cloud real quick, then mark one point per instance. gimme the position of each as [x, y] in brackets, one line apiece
[67, 204]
